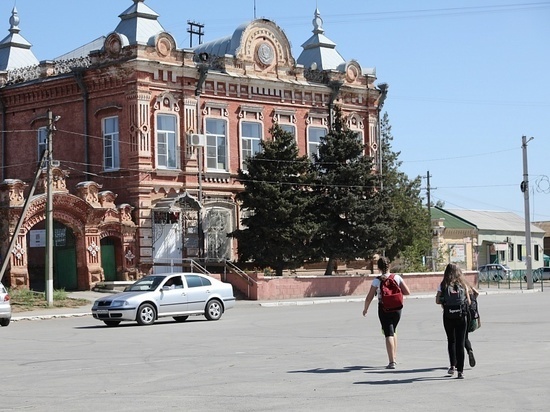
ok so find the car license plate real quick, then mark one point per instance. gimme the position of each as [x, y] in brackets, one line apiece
[102, 312]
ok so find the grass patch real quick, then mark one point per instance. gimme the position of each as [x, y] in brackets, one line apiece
[25, 299]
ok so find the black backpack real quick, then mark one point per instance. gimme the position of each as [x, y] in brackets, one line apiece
[454, 301]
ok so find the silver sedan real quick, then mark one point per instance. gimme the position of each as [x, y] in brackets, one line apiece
[176, 295]
[5, 306]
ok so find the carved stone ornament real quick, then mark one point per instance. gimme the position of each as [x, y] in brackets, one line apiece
[129, 256]
[93, 249]
[113, 45]
[265, 54]
[164, 47]
[18, 251]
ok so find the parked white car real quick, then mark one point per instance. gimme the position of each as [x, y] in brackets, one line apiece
[175, 295]
[540, 274]
[494, 271]
[5, 306]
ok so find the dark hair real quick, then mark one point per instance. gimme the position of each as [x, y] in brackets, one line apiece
[384, 264]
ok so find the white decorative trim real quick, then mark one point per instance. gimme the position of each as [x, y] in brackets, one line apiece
[93, 249]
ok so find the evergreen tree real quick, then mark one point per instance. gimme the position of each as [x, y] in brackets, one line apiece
[349, 208]
[274, 204]
[410, 229]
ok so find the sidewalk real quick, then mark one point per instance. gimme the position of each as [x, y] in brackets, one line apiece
[45, 313]
[91, 296]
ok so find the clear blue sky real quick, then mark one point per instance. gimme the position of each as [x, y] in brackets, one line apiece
[467, 79]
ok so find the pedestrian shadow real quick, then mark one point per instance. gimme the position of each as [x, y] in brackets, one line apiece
[345, 369]
[381, 370]
[397, 380]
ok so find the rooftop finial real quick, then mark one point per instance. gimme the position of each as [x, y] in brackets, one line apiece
[318, 23]
[14, 21]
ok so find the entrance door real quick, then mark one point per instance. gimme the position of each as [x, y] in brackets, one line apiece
[65, 269]
[167, 242]
[108, 259]
[64, 263]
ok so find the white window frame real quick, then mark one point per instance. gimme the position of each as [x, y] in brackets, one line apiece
[111, 153]
[250, 142]
[313, 145]
[216, 146]
[42, 141]
[167, 143]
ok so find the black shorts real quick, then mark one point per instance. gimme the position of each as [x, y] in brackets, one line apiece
[388, 320]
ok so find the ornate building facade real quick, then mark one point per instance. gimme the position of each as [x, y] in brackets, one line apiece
[166, 129]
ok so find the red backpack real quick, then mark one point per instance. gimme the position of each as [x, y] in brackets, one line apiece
[391, 296]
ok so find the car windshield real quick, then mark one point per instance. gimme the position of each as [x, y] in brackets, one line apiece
[146, 284]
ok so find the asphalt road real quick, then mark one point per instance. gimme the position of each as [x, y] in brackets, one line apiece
[318, 357]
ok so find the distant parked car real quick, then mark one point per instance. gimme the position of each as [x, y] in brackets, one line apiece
[175, 295]
[5, 306]
[494, 271]
[540, 273]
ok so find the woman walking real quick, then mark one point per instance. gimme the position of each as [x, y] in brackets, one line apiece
[388, 320]
[453, 295]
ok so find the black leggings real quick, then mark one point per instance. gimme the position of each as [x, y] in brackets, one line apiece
[467, 343]
[456, 335]
[388, 320]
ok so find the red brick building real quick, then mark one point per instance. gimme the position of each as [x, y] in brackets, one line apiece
[150, 137]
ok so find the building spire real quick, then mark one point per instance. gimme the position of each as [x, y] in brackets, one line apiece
[318, 23]
[14, 21]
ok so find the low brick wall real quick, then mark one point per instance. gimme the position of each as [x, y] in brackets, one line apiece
[291, 287]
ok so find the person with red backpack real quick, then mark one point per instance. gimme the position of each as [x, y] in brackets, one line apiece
[390, 289]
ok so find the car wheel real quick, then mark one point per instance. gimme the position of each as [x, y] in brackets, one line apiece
[180, 318]
[534, 279]
[214, 310]
[4, 322]
[146, 314]
[111, 322]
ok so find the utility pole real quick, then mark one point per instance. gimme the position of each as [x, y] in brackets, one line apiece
[428, 190]
[432, 252]
[49, 213]
[525, 189]
[195, 29]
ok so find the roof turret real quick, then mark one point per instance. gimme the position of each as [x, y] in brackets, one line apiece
[15, 51]
[319, 51]
[139, 24]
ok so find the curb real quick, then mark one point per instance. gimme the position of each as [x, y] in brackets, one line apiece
[45, 317]
[295, 302]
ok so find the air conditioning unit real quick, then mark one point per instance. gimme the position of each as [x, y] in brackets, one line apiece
[197, 139]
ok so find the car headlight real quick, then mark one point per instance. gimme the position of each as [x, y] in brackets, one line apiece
[118, 303]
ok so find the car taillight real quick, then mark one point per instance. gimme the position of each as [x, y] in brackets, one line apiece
[7, 298]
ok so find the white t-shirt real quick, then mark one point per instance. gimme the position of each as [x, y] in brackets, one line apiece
[376, 283]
